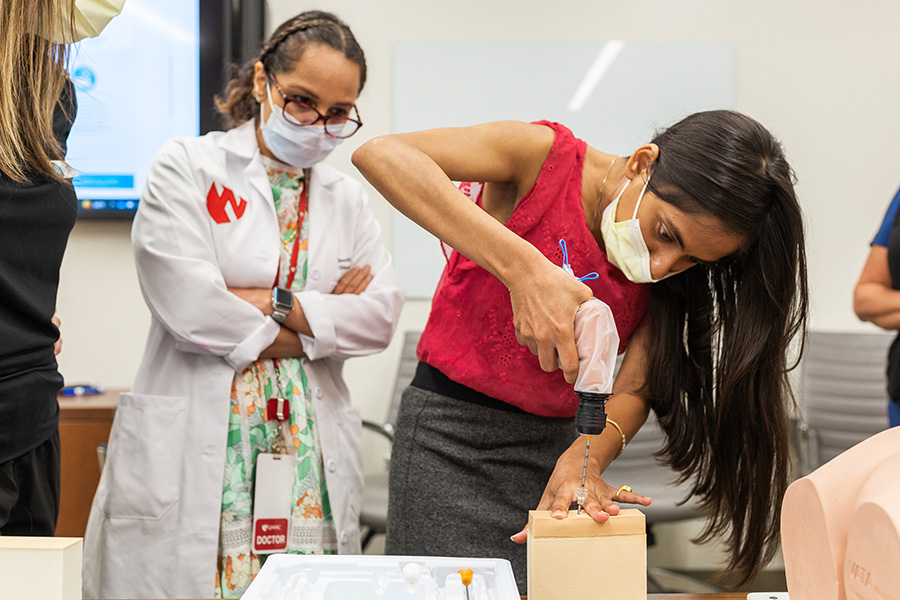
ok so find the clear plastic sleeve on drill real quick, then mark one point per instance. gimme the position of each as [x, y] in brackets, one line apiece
[597, 342]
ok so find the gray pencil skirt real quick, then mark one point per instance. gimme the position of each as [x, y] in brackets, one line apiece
[463, 477]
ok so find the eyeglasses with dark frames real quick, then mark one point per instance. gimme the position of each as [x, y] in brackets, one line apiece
[301, 114]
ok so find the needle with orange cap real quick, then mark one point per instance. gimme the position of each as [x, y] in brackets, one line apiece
[466, 575]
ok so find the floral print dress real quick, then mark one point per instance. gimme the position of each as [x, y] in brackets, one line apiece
[250, 433]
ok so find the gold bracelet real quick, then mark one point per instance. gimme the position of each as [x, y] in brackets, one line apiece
[616, 425]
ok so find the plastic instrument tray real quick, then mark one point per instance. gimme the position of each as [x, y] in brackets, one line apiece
[344, 577]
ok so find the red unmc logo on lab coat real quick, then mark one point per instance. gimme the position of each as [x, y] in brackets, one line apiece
[216, 203]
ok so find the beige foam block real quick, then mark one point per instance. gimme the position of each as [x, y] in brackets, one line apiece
[577, 557]
[40, 568]
[872, 559]
[816, 514]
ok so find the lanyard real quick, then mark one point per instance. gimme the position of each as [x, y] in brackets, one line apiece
[302, 206]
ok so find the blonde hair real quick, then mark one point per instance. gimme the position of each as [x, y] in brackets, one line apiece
[32, 77]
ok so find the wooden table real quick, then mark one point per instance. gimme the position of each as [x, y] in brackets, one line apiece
[84, 423]
[728, 596]
[733, 596]
[737, 596]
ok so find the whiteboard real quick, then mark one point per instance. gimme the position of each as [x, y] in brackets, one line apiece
[614, 95]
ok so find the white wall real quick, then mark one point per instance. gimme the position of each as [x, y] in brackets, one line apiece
[823, 75]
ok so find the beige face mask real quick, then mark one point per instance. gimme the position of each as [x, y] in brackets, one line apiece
[625, 245]
[91, 16]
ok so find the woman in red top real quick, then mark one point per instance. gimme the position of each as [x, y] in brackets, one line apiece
[707, 214]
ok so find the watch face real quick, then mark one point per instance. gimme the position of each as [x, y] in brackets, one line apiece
[283, 299]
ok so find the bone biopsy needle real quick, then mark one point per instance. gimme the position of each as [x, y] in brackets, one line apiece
[581, 494]
[590, 420]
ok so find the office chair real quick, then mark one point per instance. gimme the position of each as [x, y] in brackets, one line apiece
[373, 516]
[843, 393]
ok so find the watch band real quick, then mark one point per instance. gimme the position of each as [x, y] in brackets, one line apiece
[282, 304]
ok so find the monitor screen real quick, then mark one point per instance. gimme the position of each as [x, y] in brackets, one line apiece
[137, 86]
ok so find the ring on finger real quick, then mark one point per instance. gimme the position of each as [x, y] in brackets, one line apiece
[622, 488]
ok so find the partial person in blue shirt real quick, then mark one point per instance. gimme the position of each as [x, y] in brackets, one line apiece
[877, 296]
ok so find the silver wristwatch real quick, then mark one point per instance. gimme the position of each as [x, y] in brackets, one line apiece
[282, 304]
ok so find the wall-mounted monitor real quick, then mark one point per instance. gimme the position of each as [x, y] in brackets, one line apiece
[149, 77]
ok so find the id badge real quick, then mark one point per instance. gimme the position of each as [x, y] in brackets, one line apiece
[272, 502]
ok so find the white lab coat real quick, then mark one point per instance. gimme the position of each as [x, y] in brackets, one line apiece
[154, 523]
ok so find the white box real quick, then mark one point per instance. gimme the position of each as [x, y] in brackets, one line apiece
[298, 577]
[40, 568]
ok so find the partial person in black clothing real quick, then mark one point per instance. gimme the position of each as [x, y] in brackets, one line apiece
[37, 212]
[36, 218]
[876, 297]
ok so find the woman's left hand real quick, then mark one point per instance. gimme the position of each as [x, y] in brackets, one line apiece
[57, 345]
[559, 495]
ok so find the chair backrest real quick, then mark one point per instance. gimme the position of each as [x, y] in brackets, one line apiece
[405, 372]
[639, 468]
[844, 397]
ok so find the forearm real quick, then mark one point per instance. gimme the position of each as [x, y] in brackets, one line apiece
[889, 321]
[261, 298]
[286, 345]
[629, 412]
[878, 304]
[626, 406]
[297, 322]
[431, 200]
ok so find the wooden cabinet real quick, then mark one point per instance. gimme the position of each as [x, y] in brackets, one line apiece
[84, 424]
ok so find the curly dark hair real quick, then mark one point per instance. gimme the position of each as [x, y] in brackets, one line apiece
[279, 54]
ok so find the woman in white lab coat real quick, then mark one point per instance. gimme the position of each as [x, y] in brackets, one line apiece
[264, 271]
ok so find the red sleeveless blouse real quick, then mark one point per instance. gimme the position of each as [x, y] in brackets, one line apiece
[470, 335]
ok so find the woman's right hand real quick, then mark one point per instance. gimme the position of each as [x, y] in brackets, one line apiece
[544, 302]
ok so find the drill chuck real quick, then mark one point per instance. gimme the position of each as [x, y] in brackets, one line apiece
[590, 419]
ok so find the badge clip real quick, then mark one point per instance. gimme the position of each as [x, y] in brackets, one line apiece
[278, 409]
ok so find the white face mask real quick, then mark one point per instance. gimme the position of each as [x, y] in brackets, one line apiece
[625, 245]
[300, 146]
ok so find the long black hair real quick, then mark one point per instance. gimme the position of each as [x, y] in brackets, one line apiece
[279, 54]
[721, 336]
